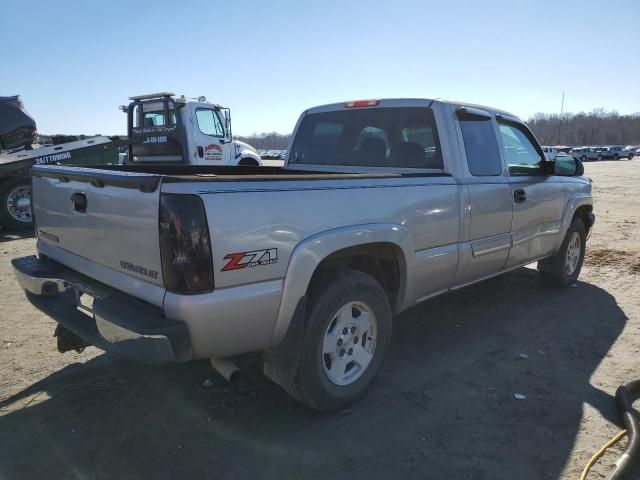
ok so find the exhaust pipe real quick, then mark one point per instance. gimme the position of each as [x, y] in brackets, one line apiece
[227, 369]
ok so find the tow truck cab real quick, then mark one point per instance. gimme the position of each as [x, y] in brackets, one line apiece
[180, 130]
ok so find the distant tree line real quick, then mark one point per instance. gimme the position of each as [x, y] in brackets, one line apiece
[599, 127]
[267, 141]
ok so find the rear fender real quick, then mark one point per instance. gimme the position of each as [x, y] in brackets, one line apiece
[310, 252]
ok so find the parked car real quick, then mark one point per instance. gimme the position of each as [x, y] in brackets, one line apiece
[634, 149]
[585, 154]
[600, 152]
[382, 204]
[17, 128]
[550, 152]
[617, 152]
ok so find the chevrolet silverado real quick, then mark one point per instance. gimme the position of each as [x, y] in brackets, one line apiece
[381, 204]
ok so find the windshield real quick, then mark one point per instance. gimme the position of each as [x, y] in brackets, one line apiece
[369, 137]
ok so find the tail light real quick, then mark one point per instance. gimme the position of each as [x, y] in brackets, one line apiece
[185, 247]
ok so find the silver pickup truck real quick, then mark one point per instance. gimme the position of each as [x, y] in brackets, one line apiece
[381, 204]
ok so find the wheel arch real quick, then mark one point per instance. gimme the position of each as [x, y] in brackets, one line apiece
[580, 206]
[376, 249]
[249, 161]
[582, 212]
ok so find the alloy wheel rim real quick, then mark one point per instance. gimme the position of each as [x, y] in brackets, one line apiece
[349, 343]
[19, 204]
[573, 254]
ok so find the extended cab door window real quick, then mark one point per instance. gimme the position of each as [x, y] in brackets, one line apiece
[481, 146]
[520, 151]
[209, 122]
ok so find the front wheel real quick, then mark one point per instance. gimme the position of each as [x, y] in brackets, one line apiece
[346, 334]
[616, 157]
[564, 267]
[15, 204]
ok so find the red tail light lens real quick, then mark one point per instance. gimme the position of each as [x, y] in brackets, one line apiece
[185, 247]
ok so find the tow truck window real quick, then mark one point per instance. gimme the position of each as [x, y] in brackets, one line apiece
[153, 119]
[209, 123]
[369, 137]
[153, 115]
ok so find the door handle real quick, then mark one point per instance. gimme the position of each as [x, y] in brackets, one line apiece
[200, 152]
[519, 195]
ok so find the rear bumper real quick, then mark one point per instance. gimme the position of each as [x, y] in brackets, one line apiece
[117, 322]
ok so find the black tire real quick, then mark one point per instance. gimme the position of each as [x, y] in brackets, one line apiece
[554, 269]
[309, 383]
[599, 157]
[7, 219]
[616, 157]
[583, 158]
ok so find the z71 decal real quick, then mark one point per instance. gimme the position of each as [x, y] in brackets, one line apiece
[255, 258]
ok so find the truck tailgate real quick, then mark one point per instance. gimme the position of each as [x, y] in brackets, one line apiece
[107, 217]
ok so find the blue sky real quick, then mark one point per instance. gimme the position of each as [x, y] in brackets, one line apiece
[74, 62]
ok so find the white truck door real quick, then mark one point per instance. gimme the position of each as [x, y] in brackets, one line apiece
[210, 139]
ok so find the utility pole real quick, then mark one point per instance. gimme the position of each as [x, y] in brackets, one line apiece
[560, 117]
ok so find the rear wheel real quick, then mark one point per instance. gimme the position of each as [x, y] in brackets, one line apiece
[346, 334]
[616, 157]
[564, 267]
[15, 204]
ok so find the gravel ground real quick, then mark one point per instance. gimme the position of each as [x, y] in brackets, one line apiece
[443, 406]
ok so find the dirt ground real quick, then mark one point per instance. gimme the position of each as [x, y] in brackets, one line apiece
[443, 406]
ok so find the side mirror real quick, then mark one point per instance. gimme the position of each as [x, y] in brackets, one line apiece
[568, 166]
[227, 123]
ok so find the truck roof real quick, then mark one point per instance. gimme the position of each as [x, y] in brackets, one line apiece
[408, 102]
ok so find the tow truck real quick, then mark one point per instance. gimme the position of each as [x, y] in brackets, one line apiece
[162, 129]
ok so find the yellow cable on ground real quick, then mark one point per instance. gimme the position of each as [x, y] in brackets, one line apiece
[600, 452]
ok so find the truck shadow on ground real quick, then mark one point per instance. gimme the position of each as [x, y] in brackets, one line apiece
[443, 406]
[10, 235]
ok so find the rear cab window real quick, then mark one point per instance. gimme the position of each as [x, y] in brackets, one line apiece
[155, 114]
[393, 137]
